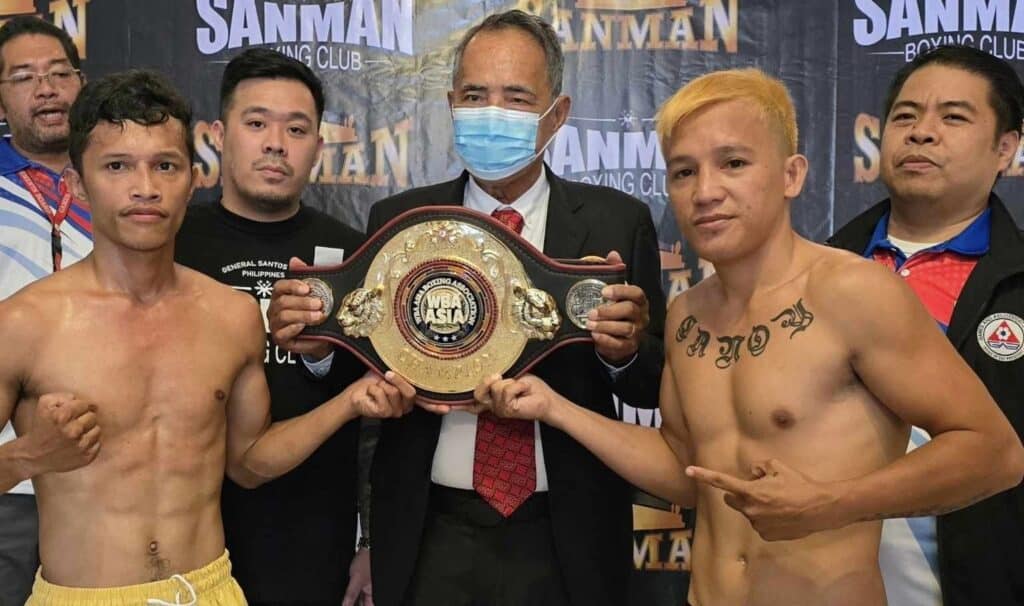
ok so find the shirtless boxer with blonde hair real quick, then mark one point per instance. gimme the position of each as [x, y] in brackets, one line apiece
[792, 377]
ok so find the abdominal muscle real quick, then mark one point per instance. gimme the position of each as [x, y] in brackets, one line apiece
[138, 513]
[732, 565]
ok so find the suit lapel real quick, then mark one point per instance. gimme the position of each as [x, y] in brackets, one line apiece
[456, 194]
[564, 233]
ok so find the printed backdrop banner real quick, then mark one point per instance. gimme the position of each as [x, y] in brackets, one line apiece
[386, 65]
[874, 40]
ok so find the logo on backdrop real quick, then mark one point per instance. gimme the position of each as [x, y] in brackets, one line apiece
[618, 25]
[328, 36]
[621, 152]
[68, 15]
[661, 541]
[911, 27]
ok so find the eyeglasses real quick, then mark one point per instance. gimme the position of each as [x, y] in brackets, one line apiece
[58, 77]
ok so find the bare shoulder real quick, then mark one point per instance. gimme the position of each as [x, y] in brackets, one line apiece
[22, 315]
[845, 285]
[236, 311]
[33, 308]
[221, 295]
[842, 278]
[27, 318]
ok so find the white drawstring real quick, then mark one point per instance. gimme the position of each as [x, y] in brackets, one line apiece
[177, 594]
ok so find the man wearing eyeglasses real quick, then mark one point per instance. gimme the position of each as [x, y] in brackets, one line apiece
[42, 227]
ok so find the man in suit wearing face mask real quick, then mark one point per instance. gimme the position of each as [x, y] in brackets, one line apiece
[439, 536]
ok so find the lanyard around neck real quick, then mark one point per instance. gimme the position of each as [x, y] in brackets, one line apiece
[56, 218]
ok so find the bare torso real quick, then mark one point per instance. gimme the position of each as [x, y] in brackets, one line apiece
[160, 375]
[772, 379]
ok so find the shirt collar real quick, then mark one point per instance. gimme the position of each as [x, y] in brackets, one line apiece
[10, 160]
[532, 205]
[973, 241]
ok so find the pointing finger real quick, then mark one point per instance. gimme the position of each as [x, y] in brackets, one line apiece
[719, 480]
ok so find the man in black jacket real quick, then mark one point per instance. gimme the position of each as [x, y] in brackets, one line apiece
[952, 123]
[435, 539]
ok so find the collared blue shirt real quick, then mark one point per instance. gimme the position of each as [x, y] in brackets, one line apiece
[973, 241]
[25, 229]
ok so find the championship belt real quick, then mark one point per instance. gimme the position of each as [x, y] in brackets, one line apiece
[445, 296]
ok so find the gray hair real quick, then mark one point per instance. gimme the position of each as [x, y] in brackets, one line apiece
[541, 31]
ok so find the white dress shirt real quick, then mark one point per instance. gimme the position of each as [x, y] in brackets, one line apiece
[453, 458]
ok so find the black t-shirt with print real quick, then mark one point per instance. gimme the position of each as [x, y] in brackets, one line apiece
[292, 538]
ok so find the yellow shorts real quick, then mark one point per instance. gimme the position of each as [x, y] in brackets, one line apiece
[211, 585]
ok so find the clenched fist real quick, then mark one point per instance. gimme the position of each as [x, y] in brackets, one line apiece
[64, 434]
[524, 398]
[381, 398]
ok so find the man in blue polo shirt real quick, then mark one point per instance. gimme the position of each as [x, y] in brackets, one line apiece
[42, 227]
[952, 124]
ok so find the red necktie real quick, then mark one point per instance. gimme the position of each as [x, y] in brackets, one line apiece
[504, 467]
[510, 218]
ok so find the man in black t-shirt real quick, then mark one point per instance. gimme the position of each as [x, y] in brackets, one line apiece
[291, 540]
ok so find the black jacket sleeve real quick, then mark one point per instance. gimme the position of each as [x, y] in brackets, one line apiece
[639, 385]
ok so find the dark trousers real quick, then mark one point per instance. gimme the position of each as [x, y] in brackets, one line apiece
[19, 547]
[471, 556]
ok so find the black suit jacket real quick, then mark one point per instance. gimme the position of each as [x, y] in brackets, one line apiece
[591, 514]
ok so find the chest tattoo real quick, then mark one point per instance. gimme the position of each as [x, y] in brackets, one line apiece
[794, 319]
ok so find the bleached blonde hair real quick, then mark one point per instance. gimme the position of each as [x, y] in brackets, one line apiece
[767, 94]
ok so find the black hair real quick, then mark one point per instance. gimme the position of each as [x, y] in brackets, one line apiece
[266, 63]
[139, 96]
[29, 24]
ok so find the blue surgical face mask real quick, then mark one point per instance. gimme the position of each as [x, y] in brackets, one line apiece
[495, 143]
